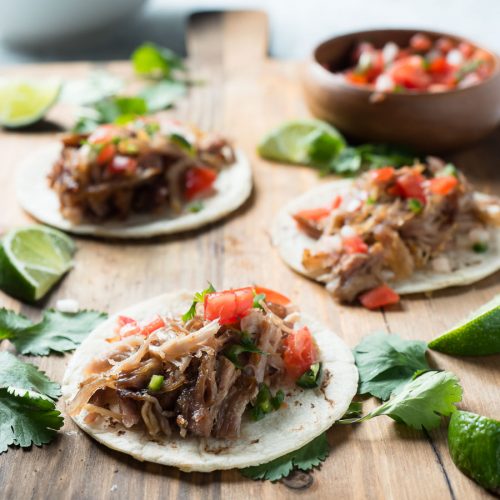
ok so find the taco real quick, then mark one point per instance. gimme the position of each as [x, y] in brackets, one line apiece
[230, 380]
[392, 231]
[137, 180]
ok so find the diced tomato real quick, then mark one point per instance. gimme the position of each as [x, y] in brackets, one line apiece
[244, 301]
[443, 185]
[314, 214]
[438, 65]
[411, 186]
[102, 134]
[466, 49]
[106, 154]
[228, 306]
[122, 165]
[154, 325]
[198, 181]
[300, 352]
[444, 45]
[354, 244]
[337, 201]
[126, 327]
[410, 73]
[272, 296]
[383, 174]
[356, 78]
[122, 321]
[381, 296]
[420, 42]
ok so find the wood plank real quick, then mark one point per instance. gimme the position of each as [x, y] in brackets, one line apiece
[245, 95]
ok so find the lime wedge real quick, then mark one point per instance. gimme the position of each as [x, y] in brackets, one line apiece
[32, 260]
[474, 444]
[478, 335]
[23, 102]
[306, 142]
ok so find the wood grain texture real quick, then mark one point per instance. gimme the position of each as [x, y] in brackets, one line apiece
[245, 94]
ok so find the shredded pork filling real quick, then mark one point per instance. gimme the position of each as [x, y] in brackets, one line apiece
[401, 234]
[203, 393]
[145, 171]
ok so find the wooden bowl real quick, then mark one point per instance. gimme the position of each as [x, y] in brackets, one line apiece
[428, 122]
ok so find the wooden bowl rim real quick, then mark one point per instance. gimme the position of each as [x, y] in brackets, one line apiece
[408, 94]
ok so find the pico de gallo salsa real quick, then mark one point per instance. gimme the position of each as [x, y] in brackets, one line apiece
[425, 65]
[141, 167]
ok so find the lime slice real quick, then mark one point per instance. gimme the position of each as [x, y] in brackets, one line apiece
[23, 102]
[302, 141]
[474, 444]
[478, 335]
[32, 260]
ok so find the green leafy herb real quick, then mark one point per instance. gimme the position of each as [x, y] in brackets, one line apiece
[152, 61]
[18, 377]
[120, 109]
[387, 362]
[310, 378]
[257, 299]
[415, 205]
[468, 67]
[199, 297]
[480, 247]
[447, 170]
[152, 128]
[57, 331]
[265, 402]
[354, 411]
[306, 458]
[156, 383]
[421, 402]
[234, 351]
[27, 404]
[162, 95]
[196, 206]
[27, 420]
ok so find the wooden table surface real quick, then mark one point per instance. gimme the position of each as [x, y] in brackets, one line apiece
[245, 94]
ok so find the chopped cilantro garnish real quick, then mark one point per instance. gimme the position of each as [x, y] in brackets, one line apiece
[152, 128]
[258, 297]
[480, 247]
[468, 67]
[448, 170]
[266, 403]
[421, 402]
[387, 362]
[156, 383]
[199, 297]
[310, 378]
[57, 331]
[370, 200]
[152, 61]
[196, 207]
[415, 205]
[306, 458]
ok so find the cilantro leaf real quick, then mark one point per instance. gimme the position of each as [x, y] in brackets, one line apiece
[199, 297]
[12, 323]
[152, 61]
[18, 377]
[354, 410]
[257, 299]
[421, 402]
[387, 362]
[309, 456]
[57, 332]
[162, 95]
[26, 420]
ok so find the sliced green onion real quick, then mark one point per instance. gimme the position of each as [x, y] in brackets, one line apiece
[415, 205]
[156, 383]
[480, 247]
[310, 378]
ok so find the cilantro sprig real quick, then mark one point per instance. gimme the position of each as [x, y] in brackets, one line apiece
[198, 298]
[27, 404]
[56, 332]
[421, 402]
[306, 458]
[387, 362]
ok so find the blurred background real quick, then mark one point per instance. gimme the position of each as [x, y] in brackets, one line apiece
[50, 30]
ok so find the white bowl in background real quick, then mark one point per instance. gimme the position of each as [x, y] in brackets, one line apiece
[35, 22]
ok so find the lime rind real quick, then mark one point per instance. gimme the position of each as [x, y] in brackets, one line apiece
[289, 142]
[478, 335]
[32, 260]
[474, 444]
[24, 102]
